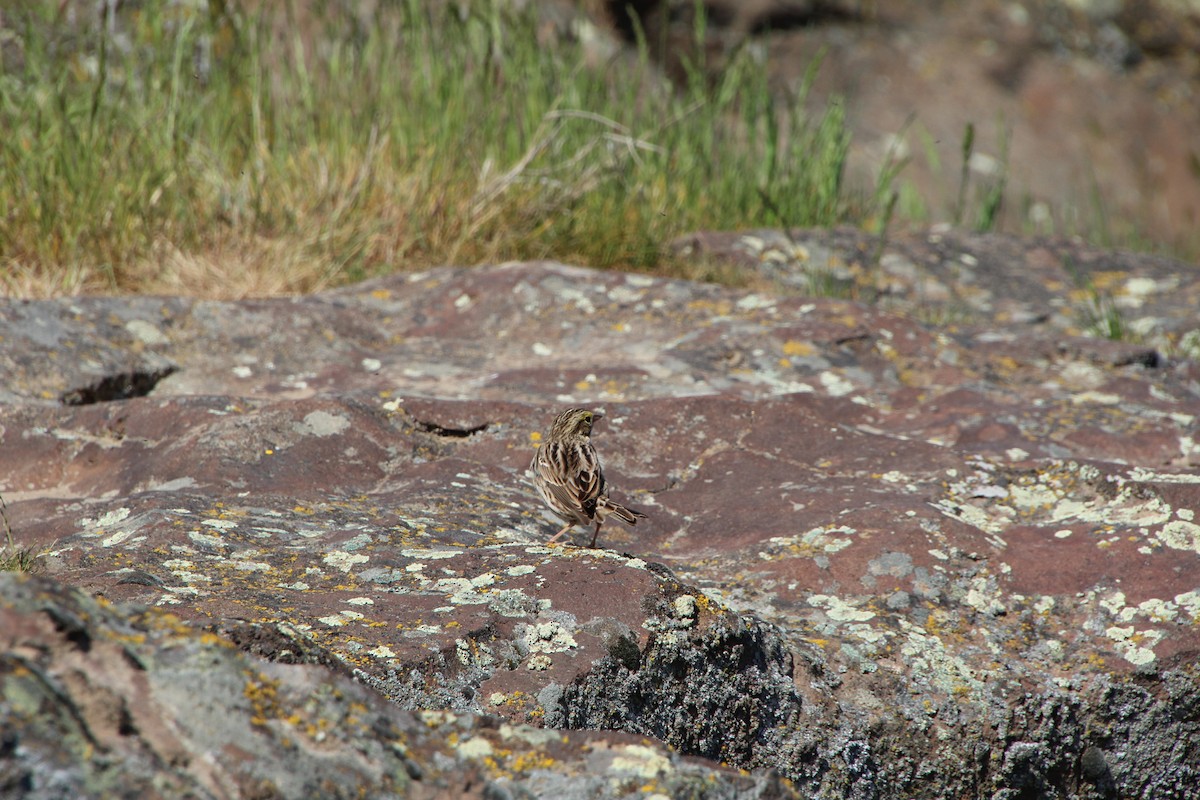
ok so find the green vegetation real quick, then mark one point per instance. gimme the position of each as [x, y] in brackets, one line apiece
[12, 557]
[1097, 311]
[990, 193]
[221, 153]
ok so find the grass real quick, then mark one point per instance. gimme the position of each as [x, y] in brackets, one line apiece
[12, 557]
[1097, 310]
[217, 152]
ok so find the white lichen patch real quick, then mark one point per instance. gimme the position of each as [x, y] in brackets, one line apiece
[810, 543]
[222, 525]
[205, 540]
[244, 565]
[1060, 494]
[1189, 603]
[146, 332]
[927, 656]
[1096, 398]
[685, 606]
[476, 747]
[753, 302]
[341, 618]
[839, 610]
[1134, 647]
[545, 637]
[1142, 475]
[339, 559]
[421, 631]
[382, 651]
[538, 737]
[1157, 610]
[1180, 534]
[640, 281]
[470, 651]
[182, 570]
[430, 555]
[361, 601]
[512, 603]
[115, 538]
[105, 520]
[971, 515]
[982, 595]
[520, 569]
[835, 385]
[866, 633]
[1114, 603]
[322, 423]
[466, 591]
[644, 762]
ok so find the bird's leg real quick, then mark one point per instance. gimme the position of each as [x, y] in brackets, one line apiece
[595, 533]
[554, 538]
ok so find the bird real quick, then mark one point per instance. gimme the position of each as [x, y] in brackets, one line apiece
[567, 474]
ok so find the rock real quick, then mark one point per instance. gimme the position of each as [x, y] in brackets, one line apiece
[103, 701]
[943, 547]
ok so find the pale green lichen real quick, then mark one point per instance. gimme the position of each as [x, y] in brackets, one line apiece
[476, 747]
[1180, 534]
[341, 560]
[430, 555]
[322, 423]
[644, 762]
[545, 637]
[825, 540]
[928, 656]
[1130, 644]
[105, 520]
[839, 610]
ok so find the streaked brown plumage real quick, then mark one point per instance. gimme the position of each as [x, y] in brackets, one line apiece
[567, 474]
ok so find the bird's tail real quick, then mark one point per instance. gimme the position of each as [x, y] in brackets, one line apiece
[626, 515]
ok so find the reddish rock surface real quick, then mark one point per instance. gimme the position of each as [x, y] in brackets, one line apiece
[950, 544]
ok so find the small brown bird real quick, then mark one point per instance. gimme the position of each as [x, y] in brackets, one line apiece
[567, 474]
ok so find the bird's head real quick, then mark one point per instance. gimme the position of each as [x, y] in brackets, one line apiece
[573, 422]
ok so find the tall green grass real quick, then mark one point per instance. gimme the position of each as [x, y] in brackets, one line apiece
[223, 153]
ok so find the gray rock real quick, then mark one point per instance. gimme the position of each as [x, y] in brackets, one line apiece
[884, 556]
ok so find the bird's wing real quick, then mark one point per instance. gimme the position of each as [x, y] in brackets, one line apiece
[571, 474]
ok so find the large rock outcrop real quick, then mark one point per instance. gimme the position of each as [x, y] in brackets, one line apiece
[938, 543]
